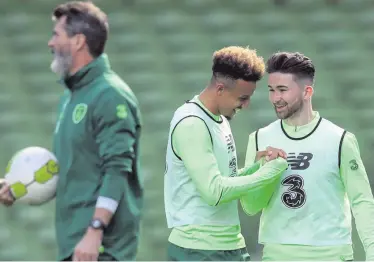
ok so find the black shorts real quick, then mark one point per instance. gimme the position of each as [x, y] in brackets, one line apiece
[177, 253]
[102, 257]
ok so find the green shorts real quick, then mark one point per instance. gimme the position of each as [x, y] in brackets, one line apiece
[177, 253]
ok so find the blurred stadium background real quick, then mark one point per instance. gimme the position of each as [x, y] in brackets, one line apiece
[163, 49]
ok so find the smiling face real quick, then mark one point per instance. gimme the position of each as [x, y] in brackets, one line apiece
[236, 70]
[290, 82]
[231, 99]
[286, 95]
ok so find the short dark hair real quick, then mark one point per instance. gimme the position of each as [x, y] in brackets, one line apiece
[87, 19]
[235, 62]
[295, 63]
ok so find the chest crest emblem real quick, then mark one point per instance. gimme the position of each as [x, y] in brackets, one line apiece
[79, 112]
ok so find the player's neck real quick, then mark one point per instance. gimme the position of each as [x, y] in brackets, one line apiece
[301, 118]
[209, 102]
[79, 63]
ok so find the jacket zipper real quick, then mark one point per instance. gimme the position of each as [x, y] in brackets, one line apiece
[62, 114]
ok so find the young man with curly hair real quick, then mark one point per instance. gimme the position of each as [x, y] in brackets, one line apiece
[307, 214]
[202, 182]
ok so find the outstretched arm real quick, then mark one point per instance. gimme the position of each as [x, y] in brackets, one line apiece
[192, 143]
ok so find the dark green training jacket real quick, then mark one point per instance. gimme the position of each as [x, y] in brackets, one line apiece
[96, 142]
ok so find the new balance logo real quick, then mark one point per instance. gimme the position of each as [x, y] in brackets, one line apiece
[299, 162]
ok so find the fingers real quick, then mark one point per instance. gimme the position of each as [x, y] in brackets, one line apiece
[273, 153]
[6, 197]
[269, 156]
[77, 256]
[80, 255]
[284, 154]
[261, 154]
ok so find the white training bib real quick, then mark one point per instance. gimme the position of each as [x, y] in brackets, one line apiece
[183, 203]
[310, 206]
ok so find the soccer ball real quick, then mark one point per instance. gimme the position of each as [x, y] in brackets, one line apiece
[32, 174]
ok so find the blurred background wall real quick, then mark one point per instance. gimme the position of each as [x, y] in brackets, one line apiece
[163, 50]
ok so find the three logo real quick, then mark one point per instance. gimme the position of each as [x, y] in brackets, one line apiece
[295, 196]
[353, 164]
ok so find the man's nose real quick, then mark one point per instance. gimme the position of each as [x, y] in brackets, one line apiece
[245, 104]
[50, 43]
[275, 97]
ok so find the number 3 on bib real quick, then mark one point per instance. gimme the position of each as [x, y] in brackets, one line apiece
[295, 195]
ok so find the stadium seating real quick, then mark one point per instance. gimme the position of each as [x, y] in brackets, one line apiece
[163, 49]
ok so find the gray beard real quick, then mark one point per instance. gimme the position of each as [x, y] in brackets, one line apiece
[61, 64]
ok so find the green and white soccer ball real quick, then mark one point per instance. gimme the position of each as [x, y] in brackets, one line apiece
[32, 174]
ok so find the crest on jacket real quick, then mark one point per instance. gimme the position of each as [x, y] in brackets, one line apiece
[79, 112]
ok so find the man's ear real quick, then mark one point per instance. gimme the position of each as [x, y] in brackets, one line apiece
[308, 92]
[220, 88]
[79, 41]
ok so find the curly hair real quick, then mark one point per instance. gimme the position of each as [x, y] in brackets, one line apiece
[295, 63]
[235, 62]
[87, 19]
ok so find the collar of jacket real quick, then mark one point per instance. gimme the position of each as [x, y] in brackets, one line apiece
[87, 73]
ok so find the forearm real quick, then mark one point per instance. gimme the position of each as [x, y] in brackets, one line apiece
[104, 211]
[255, 201]
[362, 204]
[235, 187]
[192, 143]
[116, 169]
[251, 169]
[110, 194]
[113, 184]
[217, 189]
[116, 148]
[103, 214]
[363, 213]
[359, 192]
